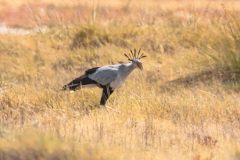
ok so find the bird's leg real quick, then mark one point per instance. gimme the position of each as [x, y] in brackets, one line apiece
[107, 91]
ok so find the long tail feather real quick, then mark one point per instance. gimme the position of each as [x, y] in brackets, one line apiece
[78, 82]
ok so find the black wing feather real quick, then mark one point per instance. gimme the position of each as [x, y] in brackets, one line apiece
[90, 71]
[82, 80]
[77, 82]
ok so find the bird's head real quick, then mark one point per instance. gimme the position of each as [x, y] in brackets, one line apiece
[134, 56]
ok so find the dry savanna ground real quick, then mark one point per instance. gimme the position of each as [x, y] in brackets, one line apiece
[184, 105]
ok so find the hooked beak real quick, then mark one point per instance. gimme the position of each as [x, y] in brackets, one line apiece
[140, 66]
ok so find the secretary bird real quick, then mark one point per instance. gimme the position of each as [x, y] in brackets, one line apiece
[108, 77]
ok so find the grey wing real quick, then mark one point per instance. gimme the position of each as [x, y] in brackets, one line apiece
[104, 75]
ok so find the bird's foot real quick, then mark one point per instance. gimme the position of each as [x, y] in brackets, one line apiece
[109, 108]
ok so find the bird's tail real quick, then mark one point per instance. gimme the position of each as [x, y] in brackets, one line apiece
[78, 82]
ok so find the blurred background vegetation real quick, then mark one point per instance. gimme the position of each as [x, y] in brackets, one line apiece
[184, 105]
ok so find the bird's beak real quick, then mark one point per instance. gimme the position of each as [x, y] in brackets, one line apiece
[140, 66]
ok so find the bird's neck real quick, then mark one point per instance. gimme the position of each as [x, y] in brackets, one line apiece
[128, 68]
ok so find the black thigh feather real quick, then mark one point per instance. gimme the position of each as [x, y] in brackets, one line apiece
[107, 91]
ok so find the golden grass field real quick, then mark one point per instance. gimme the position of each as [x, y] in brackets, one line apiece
[183, 105]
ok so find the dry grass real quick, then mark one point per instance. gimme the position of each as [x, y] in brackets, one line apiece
[185, 105]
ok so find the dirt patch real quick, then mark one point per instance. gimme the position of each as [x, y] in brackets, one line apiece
[30, 15]
[21, 31]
